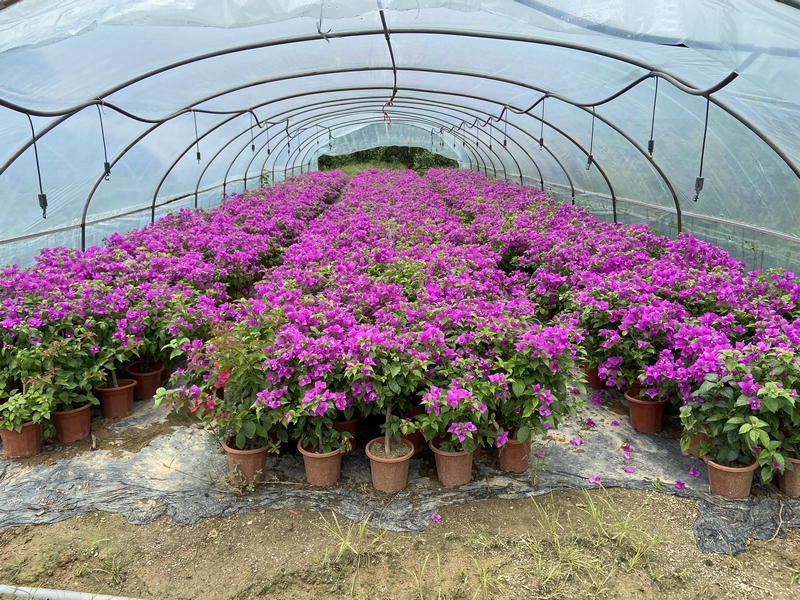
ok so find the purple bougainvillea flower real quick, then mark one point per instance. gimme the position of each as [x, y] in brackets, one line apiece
[614, 423]
[597, 398]
[776, 465]
[629, 470]
[539, 453]
[694, 472]
[626, 447]
[594, 479]
[679, 485]
[576, 441]
[436, 517]
[627, 455]
[590, 422]
[502, 438]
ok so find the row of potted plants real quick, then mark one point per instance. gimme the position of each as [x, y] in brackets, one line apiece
[70, 323]
[666, 320]
[404, 312]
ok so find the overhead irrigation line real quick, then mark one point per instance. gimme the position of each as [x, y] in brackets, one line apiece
[680, 84]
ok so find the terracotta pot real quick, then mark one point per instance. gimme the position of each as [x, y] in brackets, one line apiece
[593, 379]
[695, 443]
[513, 456]
[417, 440]
[246, 466]
[321, 469]
[789, 481]
[647, 416]
[389, 474]
[116, 402]
[452, 468]
[166, 373]
[73, 425]
[24, 443]
[350, 427]
[147, 382]
[731, 482]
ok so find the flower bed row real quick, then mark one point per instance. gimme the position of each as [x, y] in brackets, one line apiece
[75, 318]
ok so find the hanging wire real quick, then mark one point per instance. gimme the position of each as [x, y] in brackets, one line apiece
[591, 145]
[268, 150]
[252, 137]
[698, 183]
[505, 130]
[42, 195]
[490, 134]
[651, 144]
[106, 164]
[288, 139]
[541, 134]
[196, 138]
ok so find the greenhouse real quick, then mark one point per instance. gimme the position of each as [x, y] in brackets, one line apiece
[213, 339]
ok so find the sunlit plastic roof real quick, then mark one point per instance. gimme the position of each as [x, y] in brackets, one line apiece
[526, 90]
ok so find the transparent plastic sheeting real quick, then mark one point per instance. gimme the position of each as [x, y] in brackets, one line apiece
[378, 134]
[317, 76]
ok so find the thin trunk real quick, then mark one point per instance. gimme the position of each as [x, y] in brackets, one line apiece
[114, 377]
[387, 437]
[146, 364]
[319, 442]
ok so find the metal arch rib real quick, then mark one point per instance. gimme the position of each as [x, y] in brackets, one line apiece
[683, 85]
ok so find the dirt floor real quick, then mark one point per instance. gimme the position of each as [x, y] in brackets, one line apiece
[614, 543]
[599, 544]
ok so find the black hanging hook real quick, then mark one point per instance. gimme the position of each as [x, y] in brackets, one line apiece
[42, 195]
[505, 130]
[106, 164]
[651, 144]
[252, 137]
[541, 134]
[591, 145]
[698, 183]
[196, 138]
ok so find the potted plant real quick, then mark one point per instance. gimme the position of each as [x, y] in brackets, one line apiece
[394, 379]
[319, 443]
[743, 408]
[240, 418]
[76, 367]
[21, 415]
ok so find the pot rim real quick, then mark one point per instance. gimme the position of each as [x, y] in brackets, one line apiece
[445, 452]
[231, 450]
[752, 467]
[659, 400]
[305, 452]
[381, 459]
[109, 385]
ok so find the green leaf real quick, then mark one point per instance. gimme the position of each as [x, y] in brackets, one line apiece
[523, 433]
[518, 387]
[248, 428]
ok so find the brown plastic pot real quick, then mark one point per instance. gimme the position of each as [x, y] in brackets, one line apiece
[593, 379]
[321, 469]
[350, 427]
[647, 416]
[452, 468]
[73, 425]
[513, 456]
[417, 440]
[246, 466]
[24, 443]
[389, 474]
[789, 481]
[147, 382]
[695, 442]
[731, 482]
[116, 402]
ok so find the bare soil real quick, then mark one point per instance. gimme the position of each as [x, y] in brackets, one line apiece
[637, 545]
